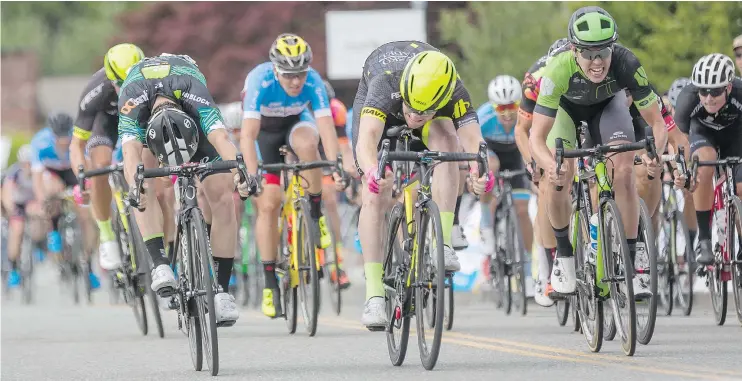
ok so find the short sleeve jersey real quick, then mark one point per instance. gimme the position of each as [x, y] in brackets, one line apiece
[99, 96]
[171, 76]
[45, 153]
[689, 107]
[562, 78]
[382, 72]
[263, 95]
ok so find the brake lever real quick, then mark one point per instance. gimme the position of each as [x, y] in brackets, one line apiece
[651, 149]
[139, 178]
[383, 155]
[559, 159]
[683, 167]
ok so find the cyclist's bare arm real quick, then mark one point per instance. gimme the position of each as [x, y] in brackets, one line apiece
[329, 136]
[470, 136]
[522, 129]
[132, 152]
[369, 133]
[678, 139]
[542, 124]
[248, 136]
[653, 116]
[77, 153]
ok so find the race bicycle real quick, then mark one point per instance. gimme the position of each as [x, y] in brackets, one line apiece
[607, 274]
[192, 260]
[725, 241]
[414, 266]
[133, 279]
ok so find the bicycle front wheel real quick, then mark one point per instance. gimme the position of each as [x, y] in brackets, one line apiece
[516, 253]
[587, 304]
[620, 273]
[397, 295]
[733, 249]
[430, 266]
[205, 282]
[646, 310]
[683, 276]
[308, 275]
[666, 254]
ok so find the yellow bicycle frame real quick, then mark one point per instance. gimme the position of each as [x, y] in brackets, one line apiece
[603, 186]
[409, 210]
[118, 196]
[294, 191]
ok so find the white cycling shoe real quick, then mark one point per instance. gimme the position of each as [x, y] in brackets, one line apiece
[540, 297]
[374, 314]
[458, 239]
[641, 287]
[109, 256]
[225, 309]
[450, 259]
[563, 275]
[163, 279]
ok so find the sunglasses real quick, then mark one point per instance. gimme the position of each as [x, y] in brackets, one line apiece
[738, 53]
[300, 75]
[512, 107]
[591, 54]
[426, 113]
[713, 92]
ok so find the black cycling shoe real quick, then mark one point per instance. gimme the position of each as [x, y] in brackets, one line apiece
[705, 254]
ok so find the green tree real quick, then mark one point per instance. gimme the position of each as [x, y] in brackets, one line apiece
[500, 38]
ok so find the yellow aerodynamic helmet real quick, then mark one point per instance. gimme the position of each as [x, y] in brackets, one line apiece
[290, 53]
[428, 81]
[119, 59]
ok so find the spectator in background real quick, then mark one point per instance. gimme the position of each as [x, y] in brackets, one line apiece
[737, 46]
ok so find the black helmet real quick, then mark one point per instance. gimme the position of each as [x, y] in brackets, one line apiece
[60, 123]
[330, 90]
[172, 135]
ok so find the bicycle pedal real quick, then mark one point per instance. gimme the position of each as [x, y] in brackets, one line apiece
[227, 323]
[560, 296]
[376, 328]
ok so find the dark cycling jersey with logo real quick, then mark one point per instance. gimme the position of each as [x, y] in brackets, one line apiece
[689, 107]
[174, 77]
[97, 111]
[562, 78]
[531, 81]
[379, 96]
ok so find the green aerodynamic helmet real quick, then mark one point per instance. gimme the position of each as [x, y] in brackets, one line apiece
[591, 27]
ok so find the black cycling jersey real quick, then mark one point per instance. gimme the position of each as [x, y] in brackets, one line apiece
[97, 114]
[689, 107]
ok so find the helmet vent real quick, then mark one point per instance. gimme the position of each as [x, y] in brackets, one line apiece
[582, 27]
[605, 24]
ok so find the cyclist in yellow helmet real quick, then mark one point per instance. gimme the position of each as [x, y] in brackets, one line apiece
[95, 131]
[409, 83]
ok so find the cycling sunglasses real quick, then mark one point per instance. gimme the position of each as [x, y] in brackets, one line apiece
[592, 54]
[293, 75]
[426, 113]
[512, 107]
[713, 92]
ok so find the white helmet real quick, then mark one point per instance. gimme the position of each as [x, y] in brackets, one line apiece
[24, 153]
[713, 71]
[504, 90]
[232, 114]
[675, 88]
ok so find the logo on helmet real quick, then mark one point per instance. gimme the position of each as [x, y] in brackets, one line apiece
[187, 123]
[152, 133]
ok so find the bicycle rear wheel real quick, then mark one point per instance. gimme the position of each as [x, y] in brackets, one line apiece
[332, 269]
[587, 304]
[133, 283]
[609, 323]
[517, 266]
[734, 227]
[189, 305]
[683, 276]
[646, 310]
[620, 272]
[308, 288]
[397, 296]
[205, 281]
[288, 293]
[430, 268]
[562, 311]
[666, 254]
[448, 318]
[26, 269]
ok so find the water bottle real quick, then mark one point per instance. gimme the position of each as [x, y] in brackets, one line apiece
[357, 244]
[720, 220]
[593, 238]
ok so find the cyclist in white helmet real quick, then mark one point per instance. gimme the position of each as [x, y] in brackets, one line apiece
[674, 91]
[710, 111]
[497, 118]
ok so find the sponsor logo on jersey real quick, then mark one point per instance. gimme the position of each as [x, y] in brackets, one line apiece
[376, 113]
[196, 98]
[132, 103]
[459, 109]
[90, 95]
[397, 95]
[547, 86]
[393, 56]
[641, 77]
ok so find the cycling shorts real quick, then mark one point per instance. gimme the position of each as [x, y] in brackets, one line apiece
[608, 121]
[276, 132]
[104, 132]
[417, 145]
[513, 161]
[67, 176]
[727, 141]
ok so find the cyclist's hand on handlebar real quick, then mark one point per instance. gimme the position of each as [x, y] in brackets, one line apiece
[557, 179]
[482, 184]
[654, 169]
[535, 172]
[81, 197]
[376, 185]
[133, 193]
[340, 182]
[245, 188]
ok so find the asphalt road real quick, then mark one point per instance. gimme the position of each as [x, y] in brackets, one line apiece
[56, 340]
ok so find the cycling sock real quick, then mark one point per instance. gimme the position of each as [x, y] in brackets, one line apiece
[14, 265]
[692, 234]
[456, 211]
[374, 285]
[447, 225]
[632, 249]
[485, 221]
[550, 253]
[156, 248]
[704, 224]
[106, 231]
[223, 271]
[170, 247]
[315, 205]
[564, 247]
[55, 222]
[269, 269]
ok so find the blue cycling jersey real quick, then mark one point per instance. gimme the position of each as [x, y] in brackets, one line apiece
[492, 129]
[349, 125]
[264, 96]
[45, 154]
[118, 153]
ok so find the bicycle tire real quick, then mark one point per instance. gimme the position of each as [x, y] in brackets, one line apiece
[288, 293]
[626, 329]
[517, 267]
[735, 221]
[589, 308]
[448, 318]
[685, 300]
[665, 264]
[188, 306]
[26, 270]
[308, 274]
[331, 258]
[646, 234]
[396, 346]
[143, 259]
[718, 291]
[576, 326]
[562, 311]
[430, 216]
[609, 324]
[206, 282]
[131, 281]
